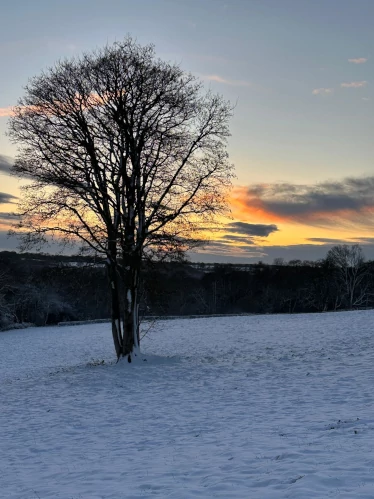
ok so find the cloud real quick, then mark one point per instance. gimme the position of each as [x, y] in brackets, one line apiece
[344, 202]
[8, 217]
[323, 91]
[5, 215]
[234, 83]
[6, 111]
[364, 240]
[354, 84]
[5, 164]
[358, 60]
[7, 198]
[238, 238]
[224, 249]
[327, 240]
[260, 230]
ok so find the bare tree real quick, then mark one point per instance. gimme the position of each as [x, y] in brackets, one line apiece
[127, 154]
[351, 273]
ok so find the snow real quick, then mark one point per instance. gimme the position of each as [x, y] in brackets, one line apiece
[260, 407]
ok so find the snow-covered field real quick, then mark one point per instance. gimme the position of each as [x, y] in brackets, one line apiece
[246, 407]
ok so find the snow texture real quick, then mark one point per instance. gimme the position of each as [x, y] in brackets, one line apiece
[261, 407]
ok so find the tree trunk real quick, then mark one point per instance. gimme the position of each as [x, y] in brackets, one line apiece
[115, 306]
[131, 340]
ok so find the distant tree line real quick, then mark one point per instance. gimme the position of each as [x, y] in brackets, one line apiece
[45, 289]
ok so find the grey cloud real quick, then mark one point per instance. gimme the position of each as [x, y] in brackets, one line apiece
[300, 201]
[219, 246]
[238, 239]
[245, 234]
[7, 198]
[5, 164]
[351, 240]
[363, 240]
[8, 219]
[224, 248]
[8, 216]
[260, 230]
[327, 240]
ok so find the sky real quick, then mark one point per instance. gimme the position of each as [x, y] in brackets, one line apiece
[301, 76]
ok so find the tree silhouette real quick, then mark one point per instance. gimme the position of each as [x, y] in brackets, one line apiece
[127, 154]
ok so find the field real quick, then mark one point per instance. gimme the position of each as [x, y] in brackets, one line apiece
[261, 407]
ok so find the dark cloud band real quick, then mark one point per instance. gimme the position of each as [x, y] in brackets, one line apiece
[6, 217]
[5, 164]
[302, 202]
[6, 198]
[259, 230]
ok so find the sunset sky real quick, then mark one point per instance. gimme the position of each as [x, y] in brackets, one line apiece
[301, 73]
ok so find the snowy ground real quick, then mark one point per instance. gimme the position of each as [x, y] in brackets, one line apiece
[246, 407]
